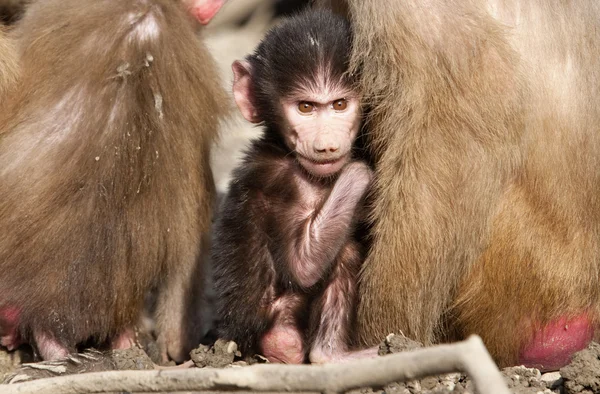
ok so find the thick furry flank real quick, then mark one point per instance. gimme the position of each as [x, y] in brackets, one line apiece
[104, 169]
[484, 126]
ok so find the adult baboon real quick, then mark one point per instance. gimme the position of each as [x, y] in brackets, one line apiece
[485, 130]
[105, 187]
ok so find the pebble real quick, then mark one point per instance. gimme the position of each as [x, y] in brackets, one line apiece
[551, 379]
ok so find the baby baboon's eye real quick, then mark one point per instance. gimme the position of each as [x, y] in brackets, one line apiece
[305, 107]
[340, 105]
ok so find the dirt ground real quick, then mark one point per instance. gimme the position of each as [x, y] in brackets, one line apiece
[582, 376]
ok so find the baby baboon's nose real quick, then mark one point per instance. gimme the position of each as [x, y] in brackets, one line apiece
[326, 144]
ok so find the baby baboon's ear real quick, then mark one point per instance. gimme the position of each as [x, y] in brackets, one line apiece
[243, 90]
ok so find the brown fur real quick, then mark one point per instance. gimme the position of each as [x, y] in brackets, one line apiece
[9, 70]
[485, 132]
[104, 170]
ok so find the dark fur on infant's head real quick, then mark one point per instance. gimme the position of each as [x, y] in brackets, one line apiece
[296, 53]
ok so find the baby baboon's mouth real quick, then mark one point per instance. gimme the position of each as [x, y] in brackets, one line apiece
[323, 168]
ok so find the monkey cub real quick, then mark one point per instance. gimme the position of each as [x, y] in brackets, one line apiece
[285, 254]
